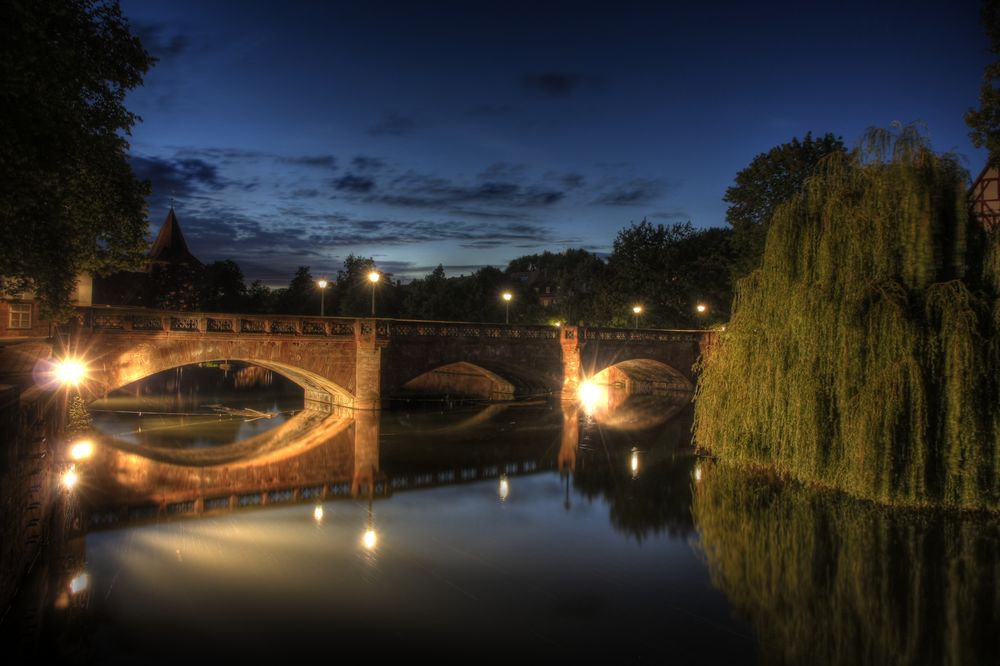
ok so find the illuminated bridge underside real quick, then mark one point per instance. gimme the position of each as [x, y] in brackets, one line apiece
[360, 362]
[644, 376]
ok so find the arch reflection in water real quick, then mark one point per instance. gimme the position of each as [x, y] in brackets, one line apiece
[198, 406]
[829, 580]
[311, 457]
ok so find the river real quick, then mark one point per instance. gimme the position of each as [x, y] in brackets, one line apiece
[494, 532]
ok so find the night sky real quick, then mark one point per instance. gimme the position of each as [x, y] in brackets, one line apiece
[469, 133]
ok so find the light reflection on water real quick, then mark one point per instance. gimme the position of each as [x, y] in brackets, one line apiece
[611, 540]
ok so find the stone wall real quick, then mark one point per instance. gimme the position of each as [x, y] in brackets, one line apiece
[29, 429]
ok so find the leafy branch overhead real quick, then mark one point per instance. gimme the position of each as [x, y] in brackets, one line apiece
[70, 201]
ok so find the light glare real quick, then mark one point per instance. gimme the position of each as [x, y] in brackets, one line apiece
[70, 371]
[79, 583]
[369, 539]
[70, 478]
[81, 450]
[374, 277]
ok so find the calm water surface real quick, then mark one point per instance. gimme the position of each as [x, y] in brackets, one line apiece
[504, 533]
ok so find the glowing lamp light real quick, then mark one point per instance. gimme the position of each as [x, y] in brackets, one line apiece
[697, 472]
[589, 393]
[322, 284]
[79, 583]
[70, 371]
[701, 308]
[70, 478]
[374, 277]
[369, 540]
[507, 296]
[318, 514]
[637, 309]
[504, 491]
[633, 463]
[81, 450]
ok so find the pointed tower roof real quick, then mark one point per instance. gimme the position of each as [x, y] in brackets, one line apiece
[170, 246]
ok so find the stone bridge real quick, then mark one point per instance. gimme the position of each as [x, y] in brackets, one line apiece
[359, 363]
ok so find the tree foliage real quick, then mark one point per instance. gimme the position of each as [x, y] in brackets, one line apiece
[770, 179]
[863, 352]
[70, 201]
[985, 121]
[668, 270]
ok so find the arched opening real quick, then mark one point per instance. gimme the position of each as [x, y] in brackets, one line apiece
[199, 406]
[643, 376]
[635, 391]
[460, 380]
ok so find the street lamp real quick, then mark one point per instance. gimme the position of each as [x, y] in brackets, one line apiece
[506, 299]
[70, 371]
[637, 310]
[374, 277]
[701, 308]
[322, 283]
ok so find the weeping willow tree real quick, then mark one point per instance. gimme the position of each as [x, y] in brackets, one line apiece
[863, 353]
[826, 579]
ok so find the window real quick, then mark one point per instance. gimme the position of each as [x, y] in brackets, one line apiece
[20, 315]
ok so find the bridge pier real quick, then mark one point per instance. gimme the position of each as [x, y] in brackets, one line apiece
[569, 341]
[368, 366]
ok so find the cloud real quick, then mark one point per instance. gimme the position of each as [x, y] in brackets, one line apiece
[324, 161]
[365, 163]
[416, 190]
[178, 176]
[669, 215]
[160, 39]
[354, 183]
[634, 192]
[393, 123]
[553, 84]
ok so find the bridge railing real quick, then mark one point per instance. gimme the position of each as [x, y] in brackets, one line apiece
[640, 335]
[158, 321]
[161, 321]
[139, 320]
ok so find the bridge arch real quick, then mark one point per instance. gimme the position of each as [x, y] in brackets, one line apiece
[488, 380]
[642, 375]
[142, 360]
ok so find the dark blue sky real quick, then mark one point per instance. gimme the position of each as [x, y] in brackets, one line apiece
[469, 133]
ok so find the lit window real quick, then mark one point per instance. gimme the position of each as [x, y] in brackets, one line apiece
[20, 315]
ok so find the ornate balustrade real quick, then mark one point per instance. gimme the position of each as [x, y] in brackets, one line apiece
[151, 321]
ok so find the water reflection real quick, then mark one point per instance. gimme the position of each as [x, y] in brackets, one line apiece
[828, 580]
[638, 460]
[197, 407]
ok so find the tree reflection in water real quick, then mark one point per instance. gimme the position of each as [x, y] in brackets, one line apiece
[829, 580]
[657, 498]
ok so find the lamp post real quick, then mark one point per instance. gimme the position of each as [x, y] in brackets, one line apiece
[322, 283]
[506, 299]
[637, 310]
[701, 308]
[373, 277]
